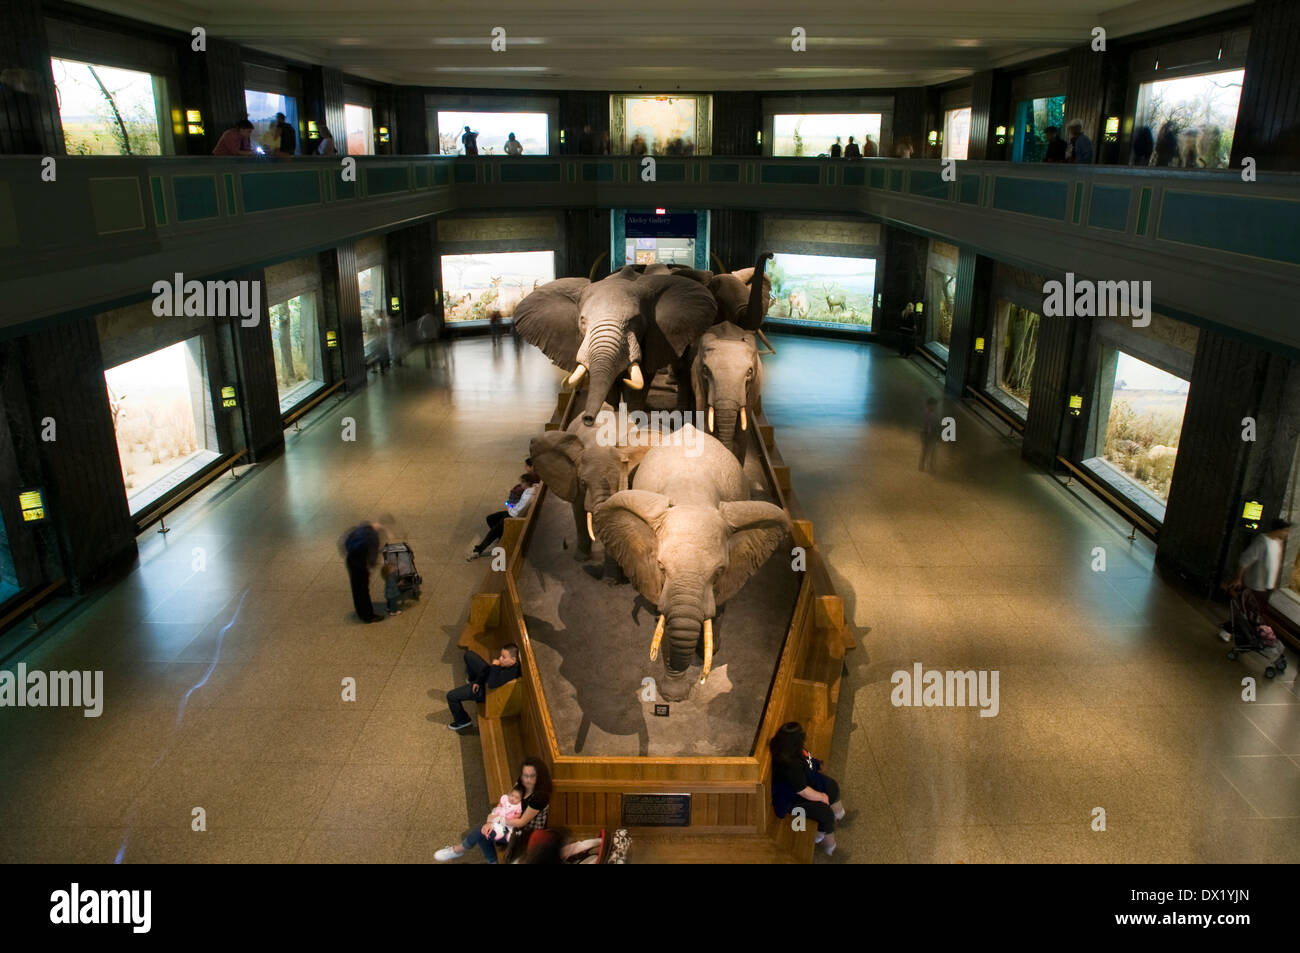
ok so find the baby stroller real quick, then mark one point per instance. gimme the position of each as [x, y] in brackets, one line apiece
[400, 557]
[1247, 633]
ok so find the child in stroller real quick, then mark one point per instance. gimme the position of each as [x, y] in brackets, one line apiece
[1247, 632]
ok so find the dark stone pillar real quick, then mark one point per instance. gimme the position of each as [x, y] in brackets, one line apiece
[737, 120]
[60, 370]
[974, 274]
[1085, 93]
[212, 81]
[29, 108]
[259, 397]
[1049, 390]
[1268, 119]
[323, 101]
[412, 120]
[339, 274]
[733, 235]
[580, 108]
[1216, 470]
[910, 118]
[902, 277]
[586, 241]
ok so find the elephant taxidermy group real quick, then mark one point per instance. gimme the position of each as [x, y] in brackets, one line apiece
[636, 321]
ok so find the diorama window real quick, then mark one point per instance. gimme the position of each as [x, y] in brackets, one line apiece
[823, 289]
[360, 124]
[374, 316]
[8, 573]
[475, 286]
[813, 134]
[661, 125]
[162, 415]
[107, 111]
[1139, 418]
[956, 133]
[262, 108]
[531, 129]
[1032, 117]
[1187, 122]
[296, 340]
[939, 310]
[1015, 341]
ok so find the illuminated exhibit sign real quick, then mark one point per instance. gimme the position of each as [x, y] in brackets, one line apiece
[394, 304]
[331, 339]
[1252, 513]
[32, 504]
[979, 345]
[665, 225]
[228, 397]
[1076, 404]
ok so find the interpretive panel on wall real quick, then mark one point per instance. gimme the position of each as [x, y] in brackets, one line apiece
[656, 810]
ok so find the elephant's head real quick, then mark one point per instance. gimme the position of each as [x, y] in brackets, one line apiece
[727, 377]
[624, 323]
[588, 465]
[688, 560]
[745, 295]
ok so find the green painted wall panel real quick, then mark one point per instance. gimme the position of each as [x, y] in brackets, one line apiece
[926, 183]
[1258, 227]
[116, 204]
[1109, 207]
[854, 175]
[1031, 196]
[195, 197]
[598, 172]
[724, 172]
[791, 174]
[265, 191]
[667, 171]
[530, 172]
[386, 179]
[969, 191]
[877, 177]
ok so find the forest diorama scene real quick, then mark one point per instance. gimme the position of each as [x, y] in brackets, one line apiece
[296, 350]
[1019, 345]
[106, 111]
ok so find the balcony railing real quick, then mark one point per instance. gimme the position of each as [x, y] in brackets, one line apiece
[1218, 250]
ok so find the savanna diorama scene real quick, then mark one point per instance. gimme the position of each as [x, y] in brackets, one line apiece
[822, 288]
[532, 132]
[813, 135]
[106, 111]
[1146, 418]
[153, 416]
[480, 287]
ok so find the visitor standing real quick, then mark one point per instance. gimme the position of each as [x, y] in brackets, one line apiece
[837, 150]
[1080, 148]
[326, 145]
[1055, 145]
[236, 141]
[470, 141]
[1260, 566]
[513, 146]
[287, 139]
[851, 151]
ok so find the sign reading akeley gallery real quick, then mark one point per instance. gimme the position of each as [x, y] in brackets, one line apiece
[656, 810]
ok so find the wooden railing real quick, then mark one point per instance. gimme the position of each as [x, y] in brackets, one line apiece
[308, 405]
[988, 403]
[1136, 519]
[31, 603]
[158, 512]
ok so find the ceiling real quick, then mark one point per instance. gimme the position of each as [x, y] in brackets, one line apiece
[664, 45]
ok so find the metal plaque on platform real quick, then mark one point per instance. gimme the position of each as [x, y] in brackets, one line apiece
[656, 810]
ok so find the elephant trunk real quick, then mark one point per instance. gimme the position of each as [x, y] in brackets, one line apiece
[726, 416]
[753, 316]
[607, 357]
[684, 620]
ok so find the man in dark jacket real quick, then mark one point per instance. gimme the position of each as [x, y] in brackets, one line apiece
[361, 553]
[480, 677]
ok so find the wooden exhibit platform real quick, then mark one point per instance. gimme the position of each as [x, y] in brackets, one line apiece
[731, 817]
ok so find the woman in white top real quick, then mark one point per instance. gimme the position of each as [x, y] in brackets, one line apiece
[521, 499]
[1260, 566]
[326, 146]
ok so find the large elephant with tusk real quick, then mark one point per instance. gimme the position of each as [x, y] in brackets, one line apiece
[689, 538]
[630, 323]
[727, 378]
[587, 465]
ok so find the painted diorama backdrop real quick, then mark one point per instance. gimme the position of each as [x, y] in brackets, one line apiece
[813, 135]
[475, 286]
[822, 288]
[530, 129]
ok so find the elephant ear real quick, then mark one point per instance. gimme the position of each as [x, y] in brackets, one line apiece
[695, 274]
[682, 309]
[548, 319]
[756, 530]
[556, 455]
[626, 525]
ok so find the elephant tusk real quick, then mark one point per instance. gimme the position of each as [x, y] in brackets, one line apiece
[591, 534]
[708, 650]
[577, 375]
[710, 418]
[744, 421]
[635, 380]
[659, 637]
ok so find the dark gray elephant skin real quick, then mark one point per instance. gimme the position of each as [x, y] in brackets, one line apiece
[689, 538]
[629, 323]
[727, 379]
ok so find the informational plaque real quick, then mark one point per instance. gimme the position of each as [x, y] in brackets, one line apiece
[656, 810]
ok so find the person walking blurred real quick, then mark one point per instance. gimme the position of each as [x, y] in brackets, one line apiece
[361, 547]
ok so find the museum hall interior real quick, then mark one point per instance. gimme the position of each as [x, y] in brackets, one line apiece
[495, 433]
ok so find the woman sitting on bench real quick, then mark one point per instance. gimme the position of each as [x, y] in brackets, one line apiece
[536, 781]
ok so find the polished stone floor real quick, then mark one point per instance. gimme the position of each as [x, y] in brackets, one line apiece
[225, 650]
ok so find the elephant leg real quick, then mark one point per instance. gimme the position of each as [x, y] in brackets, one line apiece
[685, 392]
[580, 527]
[612, 573]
